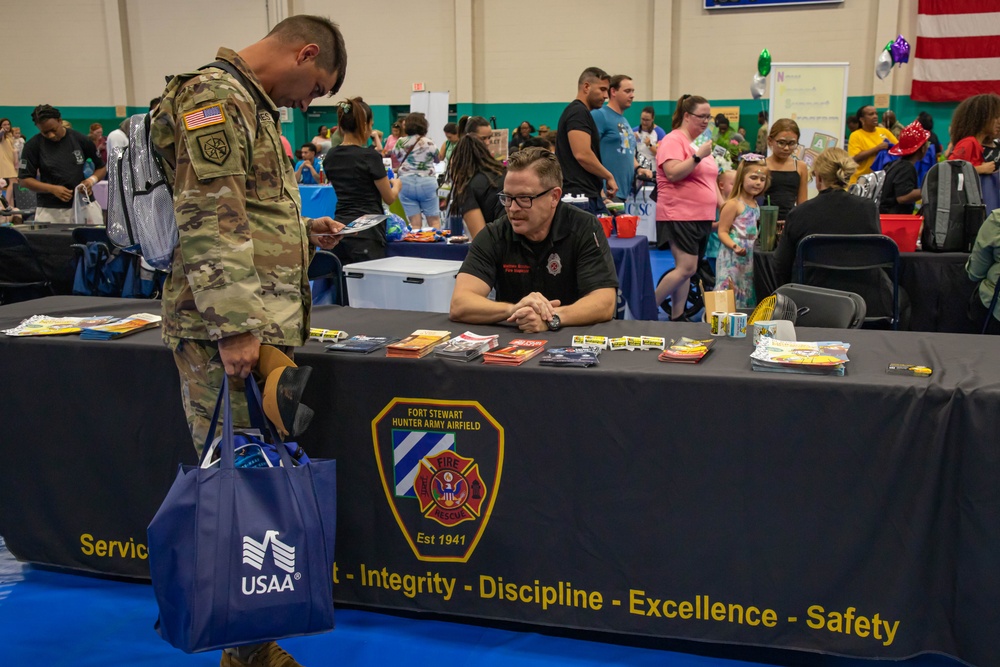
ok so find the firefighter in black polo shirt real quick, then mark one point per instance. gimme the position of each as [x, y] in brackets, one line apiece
[549, 262]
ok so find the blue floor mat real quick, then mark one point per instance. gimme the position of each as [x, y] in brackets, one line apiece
[56, 619]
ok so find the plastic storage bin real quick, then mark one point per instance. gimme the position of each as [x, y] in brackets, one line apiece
[402, 283]
[903, 229]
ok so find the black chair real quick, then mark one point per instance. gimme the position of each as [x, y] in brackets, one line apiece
[326, 265]
[825, 259]
[27, 201]
[822, 307]
[16, 252]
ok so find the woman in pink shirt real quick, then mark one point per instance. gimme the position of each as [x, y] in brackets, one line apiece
[687, 198]
[976, 121]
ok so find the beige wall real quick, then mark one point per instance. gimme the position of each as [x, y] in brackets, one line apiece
[109, 52]
[55, 52]
[164, 38]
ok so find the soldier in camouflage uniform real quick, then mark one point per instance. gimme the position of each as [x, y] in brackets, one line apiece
[239, 274]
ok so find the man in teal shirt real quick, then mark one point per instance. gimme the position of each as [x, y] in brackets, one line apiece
[617, 138]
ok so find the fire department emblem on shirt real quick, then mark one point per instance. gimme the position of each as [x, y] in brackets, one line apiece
[554, 264]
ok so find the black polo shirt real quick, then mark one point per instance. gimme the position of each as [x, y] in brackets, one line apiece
[571, 262]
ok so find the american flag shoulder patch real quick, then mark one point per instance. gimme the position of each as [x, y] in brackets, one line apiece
[210, 115]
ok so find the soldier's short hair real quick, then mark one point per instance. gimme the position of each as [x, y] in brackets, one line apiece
[324, 33]
[543, 161]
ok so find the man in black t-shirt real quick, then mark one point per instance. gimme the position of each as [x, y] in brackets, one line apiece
[549, 262]
[52, 165]
[578, 143]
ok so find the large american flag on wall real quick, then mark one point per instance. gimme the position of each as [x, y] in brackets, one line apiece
[958, 50]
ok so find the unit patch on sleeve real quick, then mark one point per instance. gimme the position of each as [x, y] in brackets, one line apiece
[214, 147]
[210, 115]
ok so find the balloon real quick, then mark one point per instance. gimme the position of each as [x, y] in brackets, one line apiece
[757, 87]
[764, 63]
[900, 50]
[883, 65]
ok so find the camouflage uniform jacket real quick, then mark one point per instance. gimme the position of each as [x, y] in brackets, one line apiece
[243, 254]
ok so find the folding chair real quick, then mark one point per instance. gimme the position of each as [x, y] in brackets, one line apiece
[861, 254]
[822, 307]
[327, 275]
[15, 250]
[27, 201]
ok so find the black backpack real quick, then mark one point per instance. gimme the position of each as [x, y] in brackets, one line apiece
[952, 208]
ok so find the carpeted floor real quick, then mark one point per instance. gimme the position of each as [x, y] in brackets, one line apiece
[53, 619]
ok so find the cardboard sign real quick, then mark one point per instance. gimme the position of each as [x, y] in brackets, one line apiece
[498, 144]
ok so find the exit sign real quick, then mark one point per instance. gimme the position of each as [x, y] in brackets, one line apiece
[418, 87]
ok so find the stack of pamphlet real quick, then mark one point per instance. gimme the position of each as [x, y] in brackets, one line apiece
[418, 344]
[466, 347]
[361, 344]
[515, 352]
[47, 325]
[783, 356]
[327, 335]
[686, 350]
[581, 356]
[124, 327]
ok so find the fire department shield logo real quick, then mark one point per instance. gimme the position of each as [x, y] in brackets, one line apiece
[440, 465]
[554, 264]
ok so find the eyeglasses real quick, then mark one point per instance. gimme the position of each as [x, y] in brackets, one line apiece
[523, 201]
[701, 116]
[786, 144]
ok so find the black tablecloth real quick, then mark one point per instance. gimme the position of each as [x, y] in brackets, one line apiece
[937, 285]
[53, 247]
[706, 501]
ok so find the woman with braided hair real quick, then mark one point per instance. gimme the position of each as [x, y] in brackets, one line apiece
[52, 165]
[356, 172]
[476, 179]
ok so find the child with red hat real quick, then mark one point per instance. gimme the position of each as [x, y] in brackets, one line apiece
[901, 188]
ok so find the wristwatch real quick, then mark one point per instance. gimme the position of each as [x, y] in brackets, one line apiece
[697, 159]
[555, 324]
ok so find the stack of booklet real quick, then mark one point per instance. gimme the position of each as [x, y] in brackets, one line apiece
[47, 325]
[361, 344]
[783, 356]
[124, 327]
[687, 350]
[515, 353]
[466, 347]
[418, 344]
[583, 356]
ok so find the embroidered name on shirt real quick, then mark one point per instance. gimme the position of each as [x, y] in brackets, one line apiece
[516, 268]
[211, 115]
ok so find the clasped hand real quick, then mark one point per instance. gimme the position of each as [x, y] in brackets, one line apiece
[533, 313]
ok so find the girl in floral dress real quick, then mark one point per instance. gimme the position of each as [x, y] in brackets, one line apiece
[738, 230]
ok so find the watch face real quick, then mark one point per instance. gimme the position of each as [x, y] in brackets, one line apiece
[555, 322]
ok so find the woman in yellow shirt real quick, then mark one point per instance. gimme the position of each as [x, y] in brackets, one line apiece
[868, 141]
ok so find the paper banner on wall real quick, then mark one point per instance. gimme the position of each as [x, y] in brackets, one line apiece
[814, 95]
[498, 144]
[732, 113]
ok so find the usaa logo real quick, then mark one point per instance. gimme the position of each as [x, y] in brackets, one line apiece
[440, 464]
[283, 556]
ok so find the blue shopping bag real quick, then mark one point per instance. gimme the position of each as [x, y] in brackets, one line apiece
[244, 555]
